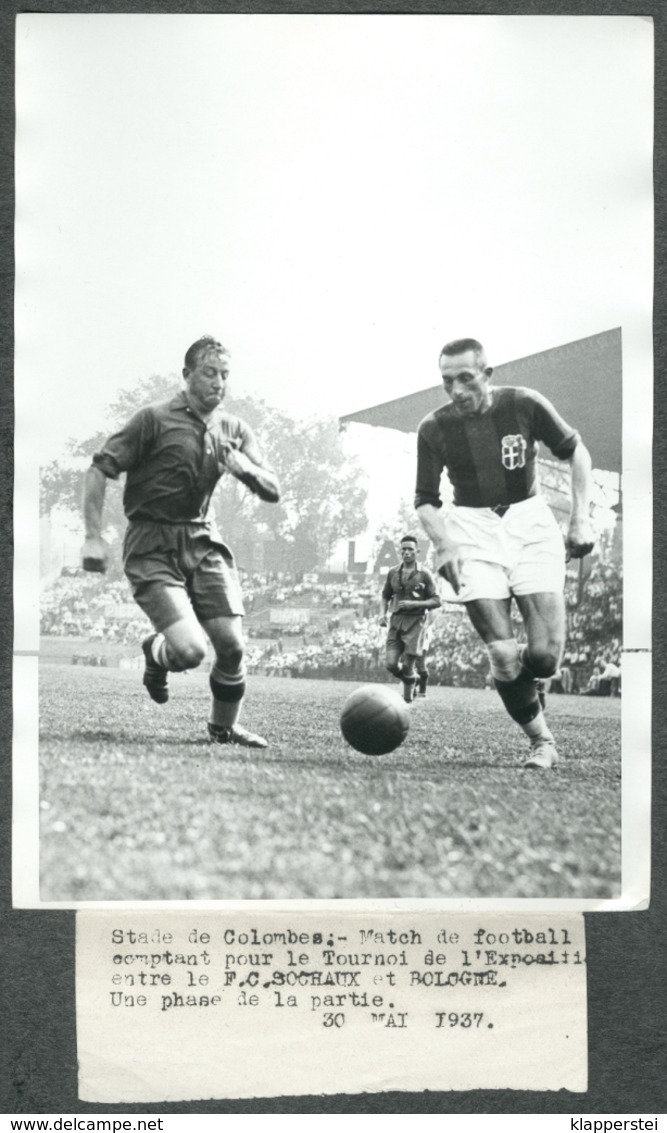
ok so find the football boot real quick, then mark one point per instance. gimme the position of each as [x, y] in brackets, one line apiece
[235, 734]
[543, 755]
[156, 677]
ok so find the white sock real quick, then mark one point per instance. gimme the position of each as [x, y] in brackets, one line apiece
[537, 728]
[159, 650]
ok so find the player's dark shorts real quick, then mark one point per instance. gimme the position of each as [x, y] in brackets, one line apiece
[404, 632]
[174, 568]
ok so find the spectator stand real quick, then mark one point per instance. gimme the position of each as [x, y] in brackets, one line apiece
[329, 629]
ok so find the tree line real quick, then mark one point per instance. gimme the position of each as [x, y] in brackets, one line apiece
[323, 489]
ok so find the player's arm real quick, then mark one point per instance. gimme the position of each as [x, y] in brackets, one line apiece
[447, 557]
[566, 444]
[95, 550]
[418, 604]
[246, 463]
[122, 451]
[430, 602]
[428, 504]
[580, 538]
[385, 600]
[432, 598]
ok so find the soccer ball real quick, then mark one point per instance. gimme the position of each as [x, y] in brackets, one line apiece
[374, 720]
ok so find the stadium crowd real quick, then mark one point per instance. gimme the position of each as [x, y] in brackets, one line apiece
[330, 629]
[457, 657]
[78, 605]
[81, 606]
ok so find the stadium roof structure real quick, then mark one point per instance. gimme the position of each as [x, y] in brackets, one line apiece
[583, 379]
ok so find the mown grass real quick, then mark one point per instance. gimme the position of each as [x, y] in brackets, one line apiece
[135, 804]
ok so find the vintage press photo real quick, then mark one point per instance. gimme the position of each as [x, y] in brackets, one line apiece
[333, 200]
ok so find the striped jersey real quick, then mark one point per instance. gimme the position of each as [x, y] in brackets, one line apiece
[490, 457]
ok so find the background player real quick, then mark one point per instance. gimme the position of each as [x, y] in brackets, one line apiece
[181, 573]
[409, 592]
[500, 539]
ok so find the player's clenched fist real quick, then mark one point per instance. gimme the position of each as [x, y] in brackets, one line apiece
[580, 540]
[234, 461]
[578, 550]
[448, 565]
[245, 467]
[95, 554]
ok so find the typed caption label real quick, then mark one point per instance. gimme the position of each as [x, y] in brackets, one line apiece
[424, 1001]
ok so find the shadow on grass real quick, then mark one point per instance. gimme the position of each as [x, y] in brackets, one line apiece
[117, 738]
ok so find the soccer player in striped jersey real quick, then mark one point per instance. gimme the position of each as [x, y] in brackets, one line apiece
[500, 540]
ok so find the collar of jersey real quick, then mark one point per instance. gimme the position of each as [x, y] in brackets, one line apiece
[180, 401]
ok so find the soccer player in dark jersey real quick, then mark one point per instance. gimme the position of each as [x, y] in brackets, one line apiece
[409, 592]
[181, 572]
[500, 540]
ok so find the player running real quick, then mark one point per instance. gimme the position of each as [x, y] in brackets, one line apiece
[500, 540]
[181, 573]
[410, 591]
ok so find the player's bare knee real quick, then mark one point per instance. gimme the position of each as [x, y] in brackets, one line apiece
[188, 655]
[543, 661]
[504, 659]
[230, 657]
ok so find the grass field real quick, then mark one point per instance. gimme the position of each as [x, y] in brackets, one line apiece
[135, 804]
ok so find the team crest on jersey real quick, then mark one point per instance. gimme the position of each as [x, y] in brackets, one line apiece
[514, 452]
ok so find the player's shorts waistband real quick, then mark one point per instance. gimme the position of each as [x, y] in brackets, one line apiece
[198, 524]
[500, 509]
[145, 536]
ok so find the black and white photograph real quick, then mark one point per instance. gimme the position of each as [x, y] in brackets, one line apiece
[334, 395]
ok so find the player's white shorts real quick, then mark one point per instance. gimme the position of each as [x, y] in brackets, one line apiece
[521, 552]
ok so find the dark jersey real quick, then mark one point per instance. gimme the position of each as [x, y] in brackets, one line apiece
[173, 460]
[490, 457]
[403, 584]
